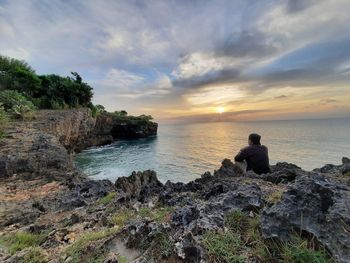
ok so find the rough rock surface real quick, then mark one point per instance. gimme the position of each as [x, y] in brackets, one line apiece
[71, 127]
[318, 206]
[29, 153]
[110, 127]
[139, 185]
[282, 173]
[138, 216]
[346, 166]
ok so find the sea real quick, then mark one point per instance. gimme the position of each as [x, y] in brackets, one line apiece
[182, 152]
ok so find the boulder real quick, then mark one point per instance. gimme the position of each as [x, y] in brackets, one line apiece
[228, 168]
[185, 215]
[84, 192]
[346, 166]
[282, 172]
[139, 185]
[31, 154]
[317, 206]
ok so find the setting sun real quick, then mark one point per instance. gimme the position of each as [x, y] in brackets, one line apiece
[220, 110]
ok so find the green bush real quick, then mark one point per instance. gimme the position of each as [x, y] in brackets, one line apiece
[18, 75]
[96, 110]
[121, 113]
[21, 240]
[122, 116]
[57, 91]
[3, 121]
[100, 108]
[46, 91]
[16, 104]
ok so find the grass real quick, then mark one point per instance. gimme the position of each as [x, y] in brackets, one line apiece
[299, 251]
[162, 246]
[236, 221]
[34, 255]
[159, 215]
[223, 247]
[2, 134]
[275, 196]
[77, 250]
[122, 259]
[243, 242]
[21, 240]
[122, 217]
[107, 199]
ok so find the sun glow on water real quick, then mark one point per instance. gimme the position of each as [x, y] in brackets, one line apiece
[220, 110]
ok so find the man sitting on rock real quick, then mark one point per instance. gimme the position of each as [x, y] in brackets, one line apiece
[255, 155]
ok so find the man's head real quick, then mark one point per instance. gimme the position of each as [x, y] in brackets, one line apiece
[254, 139]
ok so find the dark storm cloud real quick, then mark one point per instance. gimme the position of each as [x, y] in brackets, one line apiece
[248, 44]
[294, 6]
[315, 64]
[212, 77]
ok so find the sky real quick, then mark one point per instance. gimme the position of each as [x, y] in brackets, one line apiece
[192, 60]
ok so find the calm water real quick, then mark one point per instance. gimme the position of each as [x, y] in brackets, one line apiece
[182, 152]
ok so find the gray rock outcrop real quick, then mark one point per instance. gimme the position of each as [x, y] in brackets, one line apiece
[317, 206]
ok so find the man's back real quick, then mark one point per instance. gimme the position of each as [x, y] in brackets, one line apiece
[257, 158]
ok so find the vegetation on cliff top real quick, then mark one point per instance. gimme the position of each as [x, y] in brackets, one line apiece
[22, 91]
[44, 91]
[122, 116]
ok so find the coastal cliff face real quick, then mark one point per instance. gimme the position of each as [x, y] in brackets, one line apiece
[71, 127]
[108, 128]
[44, 147]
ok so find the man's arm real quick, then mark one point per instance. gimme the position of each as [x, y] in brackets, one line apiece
[240, 157]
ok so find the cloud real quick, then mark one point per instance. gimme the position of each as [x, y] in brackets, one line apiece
[294, 6]
[214, 117]
[328, 100]
[121, 78]
[185, 54]
[281, 96]
[18, 53]
[249, 44]
[121, 83]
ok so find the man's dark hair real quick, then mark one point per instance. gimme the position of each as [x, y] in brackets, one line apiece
[255, 138]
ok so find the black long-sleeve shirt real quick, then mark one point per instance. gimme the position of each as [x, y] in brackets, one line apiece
[257, 158]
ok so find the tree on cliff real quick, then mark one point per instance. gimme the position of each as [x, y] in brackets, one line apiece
[18, 75]
[61, 92]
[45, 91]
